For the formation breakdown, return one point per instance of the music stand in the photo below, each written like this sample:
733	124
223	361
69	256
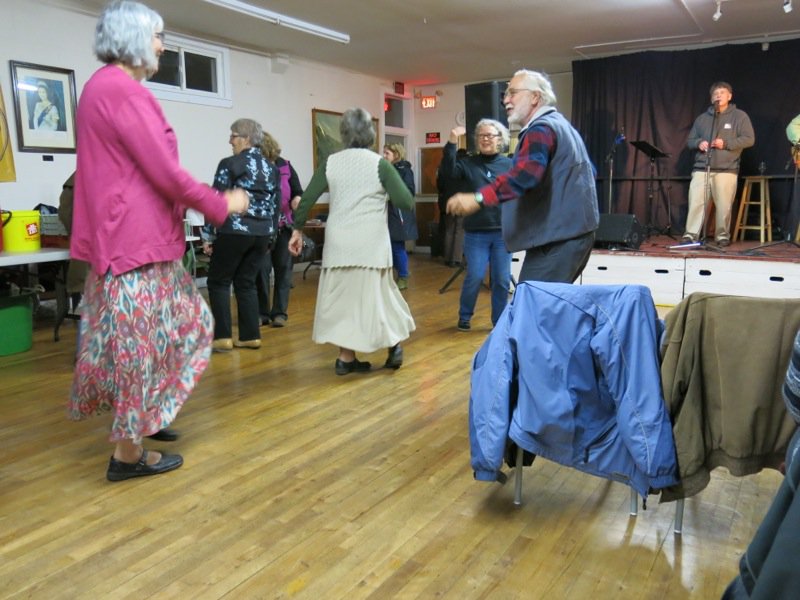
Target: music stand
653	153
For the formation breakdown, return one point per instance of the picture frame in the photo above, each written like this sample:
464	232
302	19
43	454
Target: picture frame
325	135
44	105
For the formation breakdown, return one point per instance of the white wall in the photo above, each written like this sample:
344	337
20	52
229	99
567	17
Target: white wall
451	102
282	103
442	119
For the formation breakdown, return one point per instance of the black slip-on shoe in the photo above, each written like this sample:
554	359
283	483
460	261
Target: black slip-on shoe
165	435
120	471
395	358
354	366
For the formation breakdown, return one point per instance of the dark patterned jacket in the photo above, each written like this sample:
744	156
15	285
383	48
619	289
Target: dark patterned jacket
252	172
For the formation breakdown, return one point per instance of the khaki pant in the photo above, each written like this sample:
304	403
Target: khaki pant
723	193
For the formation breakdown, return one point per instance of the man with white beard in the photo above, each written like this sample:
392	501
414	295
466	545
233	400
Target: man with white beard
548	198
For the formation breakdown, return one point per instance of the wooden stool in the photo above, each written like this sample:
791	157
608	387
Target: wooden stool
765	213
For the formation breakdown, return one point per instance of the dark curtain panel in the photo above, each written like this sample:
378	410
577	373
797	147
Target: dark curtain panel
656	96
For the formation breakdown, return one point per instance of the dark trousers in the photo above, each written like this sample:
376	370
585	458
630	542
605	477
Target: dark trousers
559	262
280	260
236	259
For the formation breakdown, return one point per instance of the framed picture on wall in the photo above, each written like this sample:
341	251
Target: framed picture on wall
325	134
44	105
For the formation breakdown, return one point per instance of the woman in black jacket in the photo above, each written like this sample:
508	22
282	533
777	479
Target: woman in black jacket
402	223
483	238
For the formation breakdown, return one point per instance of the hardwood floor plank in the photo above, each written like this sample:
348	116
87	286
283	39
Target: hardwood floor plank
301	484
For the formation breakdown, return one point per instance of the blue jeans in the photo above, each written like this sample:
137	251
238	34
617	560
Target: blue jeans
482	248
400	258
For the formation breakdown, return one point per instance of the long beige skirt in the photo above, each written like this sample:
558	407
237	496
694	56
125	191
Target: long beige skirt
360	309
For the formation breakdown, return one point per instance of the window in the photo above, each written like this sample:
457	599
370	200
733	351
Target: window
193	71
394	112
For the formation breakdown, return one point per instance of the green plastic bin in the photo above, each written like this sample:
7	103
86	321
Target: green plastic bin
16	324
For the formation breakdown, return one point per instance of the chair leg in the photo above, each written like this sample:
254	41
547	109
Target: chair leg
518	478
634	503
679	516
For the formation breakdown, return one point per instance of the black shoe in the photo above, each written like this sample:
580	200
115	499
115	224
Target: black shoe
119	471
165	435
354	366
463	325
395	358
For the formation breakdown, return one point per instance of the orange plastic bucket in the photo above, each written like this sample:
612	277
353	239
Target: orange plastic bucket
21	230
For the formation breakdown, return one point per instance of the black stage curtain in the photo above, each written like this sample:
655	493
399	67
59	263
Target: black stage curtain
655	96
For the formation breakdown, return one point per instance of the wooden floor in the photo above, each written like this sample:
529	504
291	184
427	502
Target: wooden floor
301	484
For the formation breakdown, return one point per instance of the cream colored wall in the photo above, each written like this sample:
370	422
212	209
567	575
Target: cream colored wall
442	119
281	101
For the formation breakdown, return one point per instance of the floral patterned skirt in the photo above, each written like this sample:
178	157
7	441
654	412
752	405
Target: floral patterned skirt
145	341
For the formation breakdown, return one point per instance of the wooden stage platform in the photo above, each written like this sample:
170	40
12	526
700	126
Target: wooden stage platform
743	268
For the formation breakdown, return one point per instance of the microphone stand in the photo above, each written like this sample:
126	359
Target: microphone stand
619	138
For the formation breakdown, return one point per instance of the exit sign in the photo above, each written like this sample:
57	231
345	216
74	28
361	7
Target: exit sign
428	101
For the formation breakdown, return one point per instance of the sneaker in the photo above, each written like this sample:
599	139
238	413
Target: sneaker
279	321
723	243
687	238
463	325
402	283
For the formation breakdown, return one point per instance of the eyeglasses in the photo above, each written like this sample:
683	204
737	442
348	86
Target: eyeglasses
160	35
488	136
513	92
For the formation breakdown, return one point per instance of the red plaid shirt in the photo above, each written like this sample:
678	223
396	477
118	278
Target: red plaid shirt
536	148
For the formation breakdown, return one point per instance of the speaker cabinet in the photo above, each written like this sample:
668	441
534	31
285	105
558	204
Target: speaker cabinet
619	230
483	101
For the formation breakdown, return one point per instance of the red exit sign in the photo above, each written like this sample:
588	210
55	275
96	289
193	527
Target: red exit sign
433	137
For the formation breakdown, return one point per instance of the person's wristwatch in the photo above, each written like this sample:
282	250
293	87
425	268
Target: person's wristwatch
479	198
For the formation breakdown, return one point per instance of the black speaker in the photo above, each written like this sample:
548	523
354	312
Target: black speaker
615	230
483	101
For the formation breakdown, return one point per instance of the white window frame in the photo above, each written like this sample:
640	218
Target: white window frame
221	55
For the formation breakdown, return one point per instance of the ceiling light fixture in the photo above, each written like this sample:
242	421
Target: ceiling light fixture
279	19
787	6
717	14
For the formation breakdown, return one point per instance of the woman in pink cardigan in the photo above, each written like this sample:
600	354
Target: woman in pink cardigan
145	331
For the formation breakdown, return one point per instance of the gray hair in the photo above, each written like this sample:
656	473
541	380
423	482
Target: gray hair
250	129
499	127
124	33
538	82
356	129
